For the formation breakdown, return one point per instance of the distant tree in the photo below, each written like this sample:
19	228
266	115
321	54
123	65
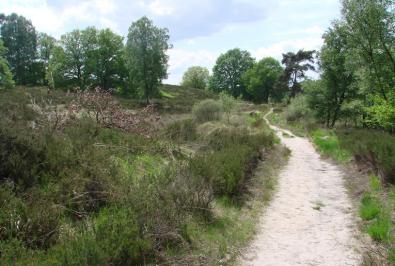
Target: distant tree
228	72
20	39
146	56
5	73
261	79
296	66
45	48
68	64
196	77
107	61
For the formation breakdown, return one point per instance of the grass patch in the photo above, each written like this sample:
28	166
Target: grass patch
328	144
370	207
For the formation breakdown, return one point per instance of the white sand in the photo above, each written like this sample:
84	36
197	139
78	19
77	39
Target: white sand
293	231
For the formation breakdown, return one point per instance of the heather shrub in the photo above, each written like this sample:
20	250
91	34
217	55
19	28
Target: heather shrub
183	130
374	147
207	110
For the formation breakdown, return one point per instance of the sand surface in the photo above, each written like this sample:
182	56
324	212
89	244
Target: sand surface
310	219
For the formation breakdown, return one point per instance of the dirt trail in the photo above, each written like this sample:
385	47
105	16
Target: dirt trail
310	219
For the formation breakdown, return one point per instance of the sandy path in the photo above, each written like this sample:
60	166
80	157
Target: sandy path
309	220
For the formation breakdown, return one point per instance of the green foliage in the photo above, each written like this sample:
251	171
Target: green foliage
337	77
5	73
146	56
20	39
381	115
228	71
207	110
228	103
87	58
196	77
370	24
261	80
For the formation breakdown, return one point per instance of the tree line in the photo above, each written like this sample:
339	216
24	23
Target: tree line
91	58
84	59
237	73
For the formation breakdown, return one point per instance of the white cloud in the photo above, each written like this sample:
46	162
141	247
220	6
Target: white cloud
50	20
181	59
161	8
277	49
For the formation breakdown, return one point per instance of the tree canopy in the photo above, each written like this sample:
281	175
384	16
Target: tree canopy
20	39
260	81
228	72
196	77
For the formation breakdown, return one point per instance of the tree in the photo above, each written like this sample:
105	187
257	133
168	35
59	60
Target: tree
20	39
296	66
260	80
107	63
228	72
196	77
146	56
88	58
5	73
371	27
337	78
69	61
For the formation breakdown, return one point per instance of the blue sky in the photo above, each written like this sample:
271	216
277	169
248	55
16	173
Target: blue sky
200	29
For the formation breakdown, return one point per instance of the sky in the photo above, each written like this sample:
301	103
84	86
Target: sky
200	30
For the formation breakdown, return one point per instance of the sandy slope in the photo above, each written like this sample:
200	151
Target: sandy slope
310	219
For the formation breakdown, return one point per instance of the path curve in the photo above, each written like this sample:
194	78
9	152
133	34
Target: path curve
310	219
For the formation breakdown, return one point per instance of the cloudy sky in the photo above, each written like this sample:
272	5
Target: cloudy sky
200	29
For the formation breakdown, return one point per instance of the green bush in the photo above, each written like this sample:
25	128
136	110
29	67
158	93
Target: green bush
298	109
207	110
229	160
119	236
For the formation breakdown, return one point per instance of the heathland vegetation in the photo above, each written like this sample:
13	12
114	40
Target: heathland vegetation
102	164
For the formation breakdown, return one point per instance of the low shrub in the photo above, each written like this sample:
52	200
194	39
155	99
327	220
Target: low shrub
183	130
230	136
207	110
229	157
374	147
